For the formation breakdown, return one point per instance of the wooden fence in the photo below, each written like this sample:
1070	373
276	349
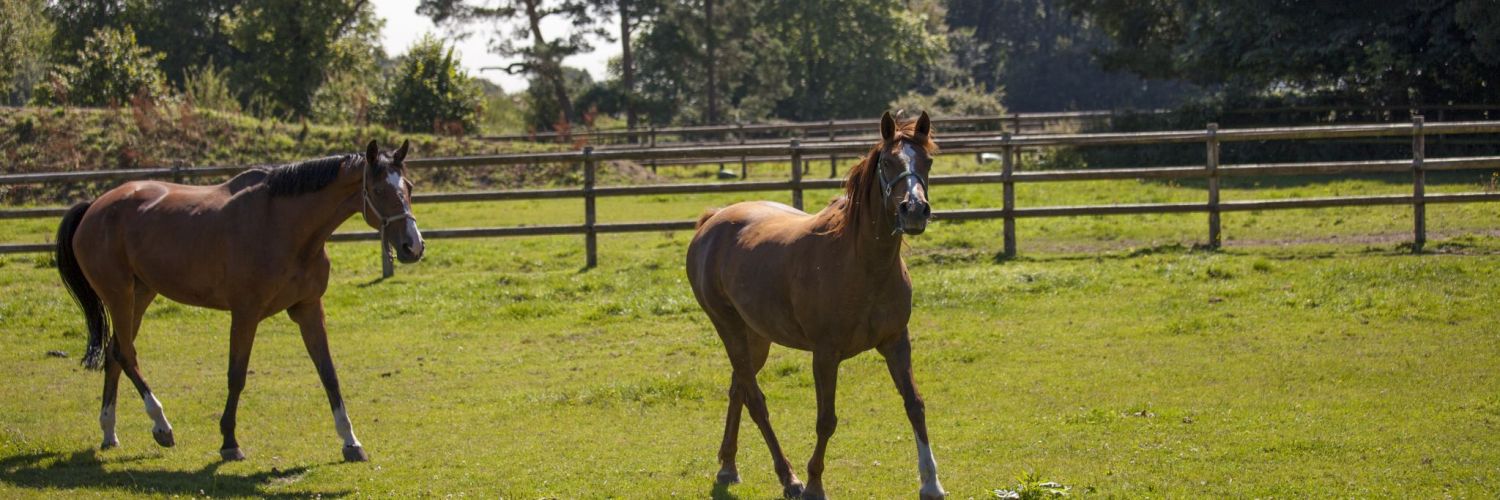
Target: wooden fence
830	129
1005	143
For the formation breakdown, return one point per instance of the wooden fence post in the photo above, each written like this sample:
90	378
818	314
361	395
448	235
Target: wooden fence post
833	158
1215	238
744	165
1418	185
652	130
590	237
1008	196
797	174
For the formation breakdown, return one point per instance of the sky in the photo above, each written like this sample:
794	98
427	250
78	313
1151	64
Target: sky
403	26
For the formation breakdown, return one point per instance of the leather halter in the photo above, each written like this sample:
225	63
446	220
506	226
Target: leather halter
364	193
887	185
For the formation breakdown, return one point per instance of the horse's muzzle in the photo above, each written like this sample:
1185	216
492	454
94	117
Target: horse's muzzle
410	246
913	216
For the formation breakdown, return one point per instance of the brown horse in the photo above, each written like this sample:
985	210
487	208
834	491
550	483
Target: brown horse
832	283
252	246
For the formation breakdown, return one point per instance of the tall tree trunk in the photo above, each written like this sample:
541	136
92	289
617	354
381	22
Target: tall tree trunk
551	68
627	66
713	62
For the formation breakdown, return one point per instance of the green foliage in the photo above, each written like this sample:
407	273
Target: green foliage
1043	56
288	46
543	112
1031	486
207	87
1390	52
540	54
501	113
430	91
110	70
966	100
24	37
784	59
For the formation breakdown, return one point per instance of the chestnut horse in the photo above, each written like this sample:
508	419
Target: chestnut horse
252	246
832	283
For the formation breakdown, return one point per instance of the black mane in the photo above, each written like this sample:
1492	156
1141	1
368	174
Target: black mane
299	178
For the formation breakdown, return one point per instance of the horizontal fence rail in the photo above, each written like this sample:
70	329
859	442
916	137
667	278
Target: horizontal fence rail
1008	145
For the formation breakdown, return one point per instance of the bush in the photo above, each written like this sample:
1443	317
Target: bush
962	100
112	69
429	92
207	87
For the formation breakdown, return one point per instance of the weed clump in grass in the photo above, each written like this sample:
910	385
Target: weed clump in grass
1031	486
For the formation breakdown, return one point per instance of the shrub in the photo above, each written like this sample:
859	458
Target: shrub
429	92
111	70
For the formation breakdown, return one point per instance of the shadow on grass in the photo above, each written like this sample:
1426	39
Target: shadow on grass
84	470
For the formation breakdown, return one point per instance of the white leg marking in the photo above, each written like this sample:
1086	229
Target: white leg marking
107	424
346	429
927	467
153	409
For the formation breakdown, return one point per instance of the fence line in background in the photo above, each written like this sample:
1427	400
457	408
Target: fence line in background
1006	143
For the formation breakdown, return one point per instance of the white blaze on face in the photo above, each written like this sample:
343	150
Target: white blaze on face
154	410
107	424
927	467
346	429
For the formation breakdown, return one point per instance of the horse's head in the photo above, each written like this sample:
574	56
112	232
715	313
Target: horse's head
387	201
903	166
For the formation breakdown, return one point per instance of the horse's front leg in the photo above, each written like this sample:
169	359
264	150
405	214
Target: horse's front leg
898	360
241	338
309	317
825	380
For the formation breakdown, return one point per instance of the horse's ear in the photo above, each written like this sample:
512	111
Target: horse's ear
924	125
372	154
400	155
887	127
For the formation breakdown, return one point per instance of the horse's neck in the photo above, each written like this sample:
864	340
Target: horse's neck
316	215
869	237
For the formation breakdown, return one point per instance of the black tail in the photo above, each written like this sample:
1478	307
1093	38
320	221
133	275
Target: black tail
78	285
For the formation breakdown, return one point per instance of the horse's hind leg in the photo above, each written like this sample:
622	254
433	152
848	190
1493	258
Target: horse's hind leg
128	308
747	354
107	407
728	473
309	317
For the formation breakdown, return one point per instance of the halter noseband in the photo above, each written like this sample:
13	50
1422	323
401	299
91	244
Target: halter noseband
364	193
887	185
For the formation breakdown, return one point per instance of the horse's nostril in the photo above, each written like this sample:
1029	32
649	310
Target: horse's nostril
905	207
926	210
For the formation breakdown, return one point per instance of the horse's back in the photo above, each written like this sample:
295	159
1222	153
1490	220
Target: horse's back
741	265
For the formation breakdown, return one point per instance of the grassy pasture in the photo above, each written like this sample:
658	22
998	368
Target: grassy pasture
1312	358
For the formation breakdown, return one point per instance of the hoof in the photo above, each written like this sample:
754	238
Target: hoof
163	438
109	444
813	496
355	454
793	490
727	477
231	454
939	495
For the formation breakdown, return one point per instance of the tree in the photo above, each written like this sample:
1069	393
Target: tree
110	70
540	56
24	37
1382	52
429	91
1043	56
632	14
286	48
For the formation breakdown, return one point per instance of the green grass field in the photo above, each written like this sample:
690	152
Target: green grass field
1313	357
